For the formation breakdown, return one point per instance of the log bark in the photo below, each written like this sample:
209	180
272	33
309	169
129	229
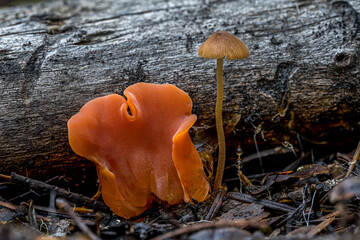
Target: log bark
57	55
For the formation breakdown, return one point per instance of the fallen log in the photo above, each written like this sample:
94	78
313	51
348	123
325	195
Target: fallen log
302	75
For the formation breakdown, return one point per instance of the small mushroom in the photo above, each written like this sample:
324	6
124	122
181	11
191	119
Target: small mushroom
219	45
141	147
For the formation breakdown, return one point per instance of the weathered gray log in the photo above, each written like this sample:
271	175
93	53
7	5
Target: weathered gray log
57	55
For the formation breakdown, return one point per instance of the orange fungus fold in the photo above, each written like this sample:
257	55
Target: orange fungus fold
141	147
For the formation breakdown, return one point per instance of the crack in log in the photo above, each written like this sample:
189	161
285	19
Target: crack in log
31	72
131	14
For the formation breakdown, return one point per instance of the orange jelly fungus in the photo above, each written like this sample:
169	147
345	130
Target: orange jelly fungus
141	147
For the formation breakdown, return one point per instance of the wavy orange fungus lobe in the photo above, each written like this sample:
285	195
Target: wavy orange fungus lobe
141	147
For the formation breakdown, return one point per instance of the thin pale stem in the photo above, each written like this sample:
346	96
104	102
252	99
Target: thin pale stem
219	124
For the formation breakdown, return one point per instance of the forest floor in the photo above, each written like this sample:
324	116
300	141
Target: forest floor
311	197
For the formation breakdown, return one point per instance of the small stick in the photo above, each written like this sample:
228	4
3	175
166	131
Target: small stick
29	192
53	211
14	208
209	225
39	186
266	153
354	160
299	208
5	177
7	205
32	215
62	204
343	157
328	219
57	212
267	203
216	204
258	153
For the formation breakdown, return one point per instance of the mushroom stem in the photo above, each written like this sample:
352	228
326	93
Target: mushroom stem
219	124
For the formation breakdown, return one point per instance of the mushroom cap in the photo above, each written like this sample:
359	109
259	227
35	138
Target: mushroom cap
223	44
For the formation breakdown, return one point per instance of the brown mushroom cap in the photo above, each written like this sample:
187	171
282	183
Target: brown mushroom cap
223	44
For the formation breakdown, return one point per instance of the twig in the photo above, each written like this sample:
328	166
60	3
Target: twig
299	208
29	192
304	202
300	144
258	153
16	208
343	157
266	153
43	187
32	215
354	160
321	226
311	206
209	225
263	154
5	177
7	205
258	175
64	205
54	211
267	203
216	204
